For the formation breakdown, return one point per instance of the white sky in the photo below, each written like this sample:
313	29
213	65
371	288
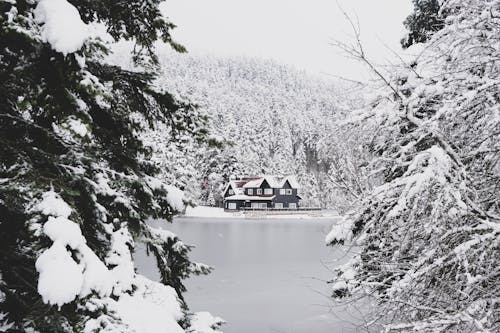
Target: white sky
295	32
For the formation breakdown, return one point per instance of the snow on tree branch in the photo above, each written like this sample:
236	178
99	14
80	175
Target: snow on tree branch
429	235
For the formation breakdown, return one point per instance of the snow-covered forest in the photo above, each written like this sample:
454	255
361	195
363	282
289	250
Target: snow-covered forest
268	118
107	124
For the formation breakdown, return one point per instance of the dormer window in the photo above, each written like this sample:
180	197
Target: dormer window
250	191
268	191
282	191
259	191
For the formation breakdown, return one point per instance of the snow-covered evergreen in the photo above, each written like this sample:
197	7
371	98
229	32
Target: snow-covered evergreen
76	181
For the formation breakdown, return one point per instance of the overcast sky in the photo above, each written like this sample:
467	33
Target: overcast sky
296	32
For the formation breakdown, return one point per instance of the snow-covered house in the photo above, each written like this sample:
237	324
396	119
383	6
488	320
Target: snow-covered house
263	192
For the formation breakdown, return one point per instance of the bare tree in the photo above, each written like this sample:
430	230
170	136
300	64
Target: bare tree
429	235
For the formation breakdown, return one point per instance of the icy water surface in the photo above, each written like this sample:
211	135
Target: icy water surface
269	275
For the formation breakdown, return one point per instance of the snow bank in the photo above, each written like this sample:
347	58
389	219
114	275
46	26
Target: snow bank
306	216
204	211
62	27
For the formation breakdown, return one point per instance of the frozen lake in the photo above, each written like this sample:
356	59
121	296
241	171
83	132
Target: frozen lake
269	275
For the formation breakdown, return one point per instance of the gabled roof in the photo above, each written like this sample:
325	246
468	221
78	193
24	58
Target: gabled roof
292	181
236	186
273	181
255	183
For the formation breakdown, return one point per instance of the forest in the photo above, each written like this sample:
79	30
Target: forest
268	119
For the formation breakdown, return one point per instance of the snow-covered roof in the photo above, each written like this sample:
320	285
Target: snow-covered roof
248	197
273	181
254	183
236	186
293	181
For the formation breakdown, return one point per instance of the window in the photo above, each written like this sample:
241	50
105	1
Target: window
232	205
259	191
268	191
292	205
288	191
278	205
260	205
231	192
250	191
282	191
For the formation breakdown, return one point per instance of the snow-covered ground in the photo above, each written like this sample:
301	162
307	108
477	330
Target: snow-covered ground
204	211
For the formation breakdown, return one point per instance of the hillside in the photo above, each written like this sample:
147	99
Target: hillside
273	118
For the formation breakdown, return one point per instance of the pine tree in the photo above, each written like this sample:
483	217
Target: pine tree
76	183
211	199
425	20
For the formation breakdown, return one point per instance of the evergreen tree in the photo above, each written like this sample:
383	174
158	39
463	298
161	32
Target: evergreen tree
425	20
76	183
211	199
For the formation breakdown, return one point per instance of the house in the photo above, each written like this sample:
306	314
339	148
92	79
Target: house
265	192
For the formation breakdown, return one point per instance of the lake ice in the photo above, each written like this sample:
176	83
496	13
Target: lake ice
269	276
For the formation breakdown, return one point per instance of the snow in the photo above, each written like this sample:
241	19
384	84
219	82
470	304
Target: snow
204	211
340	232
163	234
62	27
273	181
61	277
123	273
52	204
314	215
69	269
96	276
61	228
175	198
255	183
248	197
204	322
78	127
5	326
153	308
235	187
